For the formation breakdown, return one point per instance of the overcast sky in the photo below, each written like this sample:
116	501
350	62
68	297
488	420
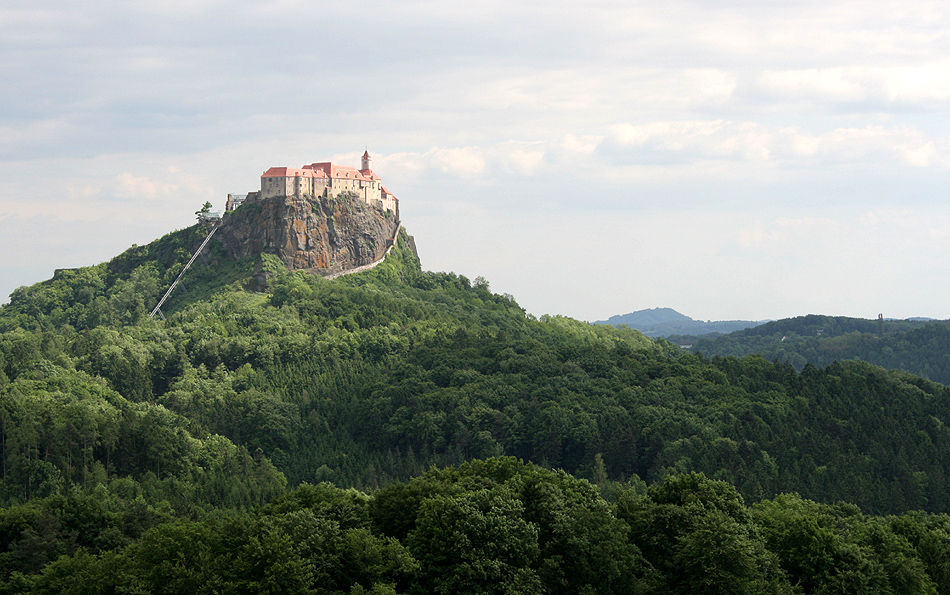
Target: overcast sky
750	159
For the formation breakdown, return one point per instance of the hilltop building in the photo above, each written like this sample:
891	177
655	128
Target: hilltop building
328	180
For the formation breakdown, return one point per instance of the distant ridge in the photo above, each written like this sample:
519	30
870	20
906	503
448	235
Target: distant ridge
663	322
918	345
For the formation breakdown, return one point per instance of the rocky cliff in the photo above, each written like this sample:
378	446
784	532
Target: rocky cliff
321	235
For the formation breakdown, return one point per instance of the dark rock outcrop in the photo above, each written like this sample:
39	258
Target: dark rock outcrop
317	234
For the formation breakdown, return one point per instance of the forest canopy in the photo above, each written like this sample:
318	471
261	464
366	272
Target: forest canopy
125	437
921	347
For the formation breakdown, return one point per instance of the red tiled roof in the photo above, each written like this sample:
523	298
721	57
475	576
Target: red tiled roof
324	170
292	172
345	171
317	173
339	171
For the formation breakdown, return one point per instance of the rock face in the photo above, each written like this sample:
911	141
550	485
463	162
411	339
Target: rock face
317	234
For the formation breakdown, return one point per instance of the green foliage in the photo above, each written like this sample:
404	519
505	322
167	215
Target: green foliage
373	377
836	549
123	291
492	526
63	428
698	533
177	441
296	546
919	347
502	526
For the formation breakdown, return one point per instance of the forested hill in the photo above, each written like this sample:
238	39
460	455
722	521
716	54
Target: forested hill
663	322
921	347
125	437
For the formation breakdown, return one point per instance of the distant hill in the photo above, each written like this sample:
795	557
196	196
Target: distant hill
663	322
917	345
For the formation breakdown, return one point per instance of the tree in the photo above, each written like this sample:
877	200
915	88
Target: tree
476	542
204	210
698	533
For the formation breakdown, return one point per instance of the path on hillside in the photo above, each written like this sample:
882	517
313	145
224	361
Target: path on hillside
373	264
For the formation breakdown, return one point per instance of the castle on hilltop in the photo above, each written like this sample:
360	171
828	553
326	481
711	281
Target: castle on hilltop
329	180
311	231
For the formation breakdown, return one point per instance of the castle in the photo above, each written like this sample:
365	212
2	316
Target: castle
329	180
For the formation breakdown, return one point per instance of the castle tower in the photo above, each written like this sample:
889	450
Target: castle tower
365	163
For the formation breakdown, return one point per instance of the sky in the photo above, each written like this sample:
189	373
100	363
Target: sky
731	159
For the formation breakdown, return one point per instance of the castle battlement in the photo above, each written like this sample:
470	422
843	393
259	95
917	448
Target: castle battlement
329	180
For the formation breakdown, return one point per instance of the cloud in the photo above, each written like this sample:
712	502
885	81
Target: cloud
836	85
716	138
792	148
463	161
673	139
128	186
33	133
467	162
924	87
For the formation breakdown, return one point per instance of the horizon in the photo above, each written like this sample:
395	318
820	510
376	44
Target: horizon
33	271
762	320
737	161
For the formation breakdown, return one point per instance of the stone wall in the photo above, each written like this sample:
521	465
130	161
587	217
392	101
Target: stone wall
300	186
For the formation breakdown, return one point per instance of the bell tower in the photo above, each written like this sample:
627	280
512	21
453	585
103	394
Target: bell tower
365	163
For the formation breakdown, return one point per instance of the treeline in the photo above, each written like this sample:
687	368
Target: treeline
188	455
919	347
123	291
485	527
372	378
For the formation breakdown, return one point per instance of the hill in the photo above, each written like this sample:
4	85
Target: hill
374	377
663	322
126	438
262	237
919	346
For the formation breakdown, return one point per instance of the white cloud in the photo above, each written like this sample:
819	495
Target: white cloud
571	145
463	161
128	186
716	138
915	84
32	133
836	85
924	85
676	141
751	143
